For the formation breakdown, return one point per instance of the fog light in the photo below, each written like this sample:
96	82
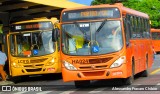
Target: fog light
78	74
107	74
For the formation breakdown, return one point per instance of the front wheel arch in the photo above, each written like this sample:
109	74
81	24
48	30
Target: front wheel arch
130	79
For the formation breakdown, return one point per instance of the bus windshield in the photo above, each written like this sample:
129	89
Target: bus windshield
92	38
30	44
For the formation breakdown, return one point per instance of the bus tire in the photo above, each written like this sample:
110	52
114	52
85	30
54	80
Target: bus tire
81	84
16	79
129	80
145	73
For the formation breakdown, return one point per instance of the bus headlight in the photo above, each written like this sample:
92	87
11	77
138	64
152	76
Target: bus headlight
118	62
69	66
16	65
51	62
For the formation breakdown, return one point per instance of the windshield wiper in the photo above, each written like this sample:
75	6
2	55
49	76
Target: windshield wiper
102	24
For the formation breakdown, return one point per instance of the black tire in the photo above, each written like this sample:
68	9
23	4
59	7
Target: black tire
129	80
145	73
16	79
6	67
81	84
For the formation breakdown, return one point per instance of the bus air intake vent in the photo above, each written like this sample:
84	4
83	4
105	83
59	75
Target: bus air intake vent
41	65
34	70
38	60
100	60
98	73
93	67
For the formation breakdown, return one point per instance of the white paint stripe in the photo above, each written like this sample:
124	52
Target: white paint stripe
44	92
158	84
97	90
137	84
20	92
68	92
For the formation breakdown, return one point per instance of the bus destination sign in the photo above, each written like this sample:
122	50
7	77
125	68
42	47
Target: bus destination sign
32	26
95	13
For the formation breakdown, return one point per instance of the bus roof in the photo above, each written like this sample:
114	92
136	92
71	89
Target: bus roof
122	8
38	20
155	30
126	10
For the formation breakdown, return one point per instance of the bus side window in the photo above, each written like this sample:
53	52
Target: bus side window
126	30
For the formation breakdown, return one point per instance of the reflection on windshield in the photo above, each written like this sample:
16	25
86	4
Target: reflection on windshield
83	38
32	44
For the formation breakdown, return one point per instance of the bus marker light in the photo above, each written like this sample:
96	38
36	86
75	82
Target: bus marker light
117	73
51	69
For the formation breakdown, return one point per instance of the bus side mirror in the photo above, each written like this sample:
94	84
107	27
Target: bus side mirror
5	29
2	39
127	44
55	34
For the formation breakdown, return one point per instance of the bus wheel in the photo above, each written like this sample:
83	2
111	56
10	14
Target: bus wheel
145	73
81	84
129	80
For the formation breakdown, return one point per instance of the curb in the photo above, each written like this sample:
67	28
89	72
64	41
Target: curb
6	82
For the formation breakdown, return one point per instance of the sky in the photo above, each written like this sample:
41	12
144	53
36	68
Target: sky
85	2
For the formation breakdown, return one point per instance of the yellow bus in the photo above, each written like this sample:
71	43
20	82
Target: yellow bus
31	48
104	42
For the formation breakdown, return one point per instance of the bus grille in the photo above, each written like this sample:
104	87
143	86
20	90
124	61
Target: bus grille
100	60
34	65
38	60
33	70
91	67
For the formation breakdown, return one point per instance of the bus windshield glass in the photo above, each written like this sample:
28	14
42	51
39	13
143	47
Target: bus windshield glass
31	44
156	35
91	38
90	14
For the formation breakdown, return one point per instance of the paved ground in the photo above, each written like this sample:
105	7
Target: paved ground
50	85
6	82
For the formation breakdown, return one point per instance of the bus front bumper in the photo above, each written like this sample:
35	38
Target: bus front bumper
55	68
119	72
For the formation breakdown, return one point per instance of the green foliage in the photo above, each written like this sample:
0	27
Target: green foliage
98	2
1	28
151	7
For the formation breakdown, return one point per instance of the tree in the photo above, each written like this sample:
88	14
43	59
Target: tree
151	7
1	29
98	2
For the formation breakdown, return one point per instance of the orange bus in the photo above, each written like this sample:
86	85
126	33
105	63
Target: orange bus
104	42
156	39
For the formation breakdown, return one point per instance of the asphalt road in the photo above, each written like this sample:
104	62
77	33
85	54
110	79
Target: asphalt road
53	84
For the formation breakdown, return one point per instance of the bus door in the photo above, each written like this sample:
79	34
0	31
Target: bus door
128	43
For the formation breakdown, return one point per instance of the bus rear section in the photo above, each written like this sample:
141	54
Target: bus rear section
31	49
97	44
156	40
